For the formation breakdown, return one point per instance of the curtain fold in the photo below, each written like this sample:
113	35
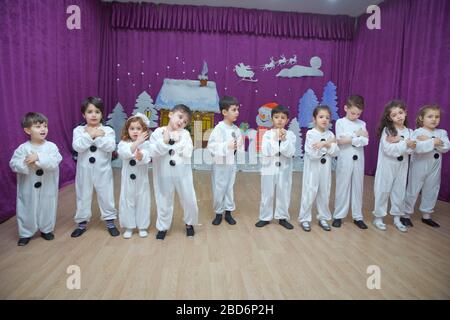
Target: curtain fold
160	17
47	68
426	67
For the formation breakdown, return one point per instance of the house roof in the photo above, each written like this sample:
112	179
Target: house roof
189	93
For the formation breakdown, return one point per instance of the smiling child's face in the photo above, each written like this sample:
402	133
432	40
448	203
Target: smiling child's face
38	132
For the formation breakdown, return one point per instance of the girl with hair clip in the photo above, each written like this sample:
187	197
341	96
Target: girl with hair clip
395	146
135	152
320	148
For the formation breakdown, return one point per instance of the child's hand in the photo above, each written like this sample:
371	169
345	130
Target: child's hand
95	132
276	136
138	154
98	133
423	138
411	143
232	144
362	133
345	140
166	135
90	131
142	137
329	142
176	136
319	145
393	139
283	134
438	142
31	158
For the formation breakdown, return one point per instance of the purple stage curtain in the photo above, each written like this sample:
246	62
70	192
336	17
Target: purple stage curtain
426	67
45	68
408	59
151	16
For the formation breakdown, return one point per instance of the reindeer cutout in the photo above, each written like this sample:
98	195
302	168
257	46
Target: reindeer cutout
293	60
282	61
269	66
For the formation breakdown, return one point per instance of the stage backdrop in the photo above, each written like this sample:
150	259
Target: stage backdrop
124	49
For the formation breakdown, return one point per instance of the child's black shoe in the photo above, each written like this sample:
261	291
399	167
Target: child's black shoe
431	223
261	223
229	218
23	242
406	222
161	235
337	223
217	220
77	232
114	231
190	231
286	224
360	224
47	236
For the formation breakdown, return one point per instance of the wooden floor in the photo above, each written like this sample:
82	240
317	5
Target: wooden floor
230	262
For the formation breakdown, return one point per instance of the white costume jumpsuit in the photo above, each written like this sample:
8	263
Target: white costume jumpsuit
276	175
316	183
94	171
135	195
391	174
172	171
350	169
224	165
37	189
425	170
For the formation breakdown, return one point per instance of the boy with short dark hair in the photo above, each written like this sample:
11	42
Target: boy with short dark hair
94	143
224	141
36	164
278	147
172	171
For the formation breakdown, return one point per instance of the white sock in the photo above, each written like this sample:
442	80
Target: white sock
426	216
397	219
378	220
407	216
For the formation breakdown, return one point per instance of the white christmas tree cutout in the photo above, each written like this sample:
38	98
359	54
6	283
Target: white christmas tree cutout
116	119
144	104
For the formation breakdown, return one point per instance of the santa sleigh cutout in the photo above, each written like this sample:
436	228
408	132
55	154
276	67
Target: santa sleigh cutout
244	72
